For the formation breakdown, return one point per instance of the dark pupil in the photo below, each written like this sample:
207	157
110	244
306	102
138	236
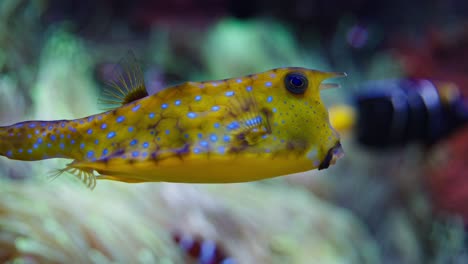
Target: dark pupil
296	81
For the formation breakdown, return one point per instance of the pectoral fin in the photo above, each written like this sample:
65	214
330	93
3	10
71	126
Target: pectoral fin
87	176
248	124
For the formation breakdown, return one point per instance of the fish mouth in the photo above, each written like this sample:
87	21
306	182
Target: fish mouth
332	156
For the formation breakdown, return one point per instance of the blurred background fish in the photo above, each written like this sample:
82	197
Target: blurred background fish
387	201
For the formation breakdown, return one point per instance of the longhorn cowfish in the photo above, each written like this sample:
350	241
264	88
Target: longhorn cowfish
233	130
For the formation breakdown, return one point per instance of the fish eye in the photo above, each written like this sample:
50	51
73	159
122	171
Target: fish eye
296	82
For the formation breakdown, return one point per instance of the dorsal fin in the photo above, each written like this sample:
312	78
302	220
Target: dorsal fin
126	83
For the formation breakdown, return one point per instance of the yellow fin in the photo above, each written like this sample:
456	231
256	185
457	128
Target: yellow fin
249	124
125	85
86	176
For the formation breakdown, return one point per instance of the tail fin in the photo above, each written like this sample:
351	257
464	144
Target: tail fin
36	140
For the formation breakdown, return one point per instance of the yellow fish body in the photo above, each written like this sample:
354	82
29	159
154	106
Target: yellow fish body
234	130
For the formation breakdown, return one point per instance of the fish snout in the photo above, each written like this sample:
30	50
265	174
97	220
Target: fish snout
333	154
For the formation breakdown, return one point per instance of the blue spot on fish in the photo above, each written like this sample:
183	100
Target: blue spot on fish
105	151
120	119
111	134
133	142
130	129
103	126
229	93
216	125
197	98
136	108
72	141
191	115
62	146
226	138
233	125
145	145
39	140
90	131
9	153
269	99
239	80
96	141
248	88
35	146
90	154
151	115
177	102
168	131
164	106
221	149
135	154
32	125
53	137
213	137
29	151
215	108
268	84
